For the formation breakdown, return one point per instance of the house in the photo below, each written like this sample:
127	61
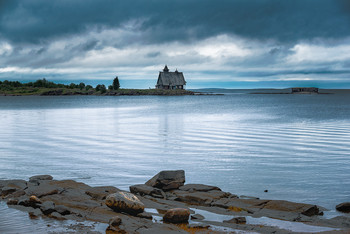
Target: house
306	90
170	80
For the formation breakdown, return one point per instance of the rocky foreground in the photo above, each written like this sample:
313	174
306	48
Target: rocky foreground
164	204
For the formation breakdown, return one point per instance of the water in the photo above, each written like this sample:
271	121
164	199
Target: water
295	146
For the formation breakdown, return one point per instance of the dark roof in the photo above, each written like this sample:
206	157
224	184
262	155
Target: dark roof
171	78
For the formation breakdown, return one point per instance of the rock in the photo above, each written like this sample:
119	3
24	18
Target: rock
176	215
143	189
343	207
266	191
7	190
37	178
311	211
125	202
12	201
198	226
199	198
114	225
56	215
101	192
237	220
34	199
44	189
62	210
47	207
197	217
16	194
198	188
144	215
168	180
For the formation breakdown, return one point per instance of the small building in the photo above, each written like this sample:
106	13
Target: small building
170	80
306	90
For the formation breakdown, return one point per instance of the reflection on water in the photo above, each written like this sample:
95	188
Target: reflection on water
296	146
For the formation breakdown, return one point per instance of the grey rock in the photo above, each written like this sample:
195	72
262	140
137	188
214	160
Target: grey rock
237	220
56	215
198	188
7	190
42	190
47	207
343	207
38	178
143	190
101	192
12	201
62	210
168	180
125	202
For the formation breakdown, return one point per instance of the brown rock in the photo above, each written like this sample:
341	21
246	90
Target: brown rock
197	217
125	202
144	215
34	199
167	180
12	201
101	192
176	215
343	207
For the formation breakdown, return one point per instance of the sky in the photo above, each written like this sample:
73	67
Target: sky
217	44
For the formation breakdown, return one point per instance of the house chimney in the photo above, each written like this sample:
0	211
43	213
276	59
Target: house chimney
166	69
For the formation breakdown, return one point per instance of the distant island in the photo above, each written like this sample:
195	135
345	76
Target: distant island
43	87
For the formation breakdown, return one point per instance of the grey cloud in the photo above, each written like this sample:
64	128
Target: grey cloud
35	21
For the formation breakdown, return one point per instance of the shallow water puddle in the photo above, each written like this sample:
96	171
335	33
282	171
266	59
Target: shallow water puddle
265	221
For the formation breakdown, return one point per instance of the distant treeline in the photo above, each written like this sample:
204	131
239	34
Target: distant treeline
43	83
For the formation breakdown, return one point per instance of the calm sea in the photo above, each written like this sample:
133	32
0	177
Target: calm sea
295	146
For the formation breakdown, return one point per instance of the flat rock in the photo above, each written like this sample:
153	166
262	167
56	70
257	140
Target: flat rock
343	207
42	190
197	217
198	188
144	215
125	202
37	178
47	207
305	209
101	192
237	220
167	180
199	198
198	226
176	215
143	190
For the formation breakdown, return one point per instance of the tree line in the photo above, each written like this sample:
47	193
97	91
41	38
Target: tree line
43	83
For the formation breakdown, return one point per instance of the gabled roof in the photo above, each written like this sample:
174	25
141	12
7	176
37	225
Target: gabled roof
171	78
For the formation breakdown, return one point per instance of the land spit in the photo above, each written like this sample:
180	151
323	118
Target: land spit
165	204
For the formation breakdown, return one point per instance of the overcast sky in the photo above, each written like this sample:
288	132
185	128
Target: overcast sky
221	43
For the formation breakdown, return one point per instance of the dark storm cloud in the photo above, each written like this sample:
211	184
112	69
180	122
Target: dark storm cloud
34	21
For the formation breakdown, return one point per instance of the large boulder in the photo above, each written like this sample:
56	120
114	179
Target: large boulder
143	189
167	180
176	215
125	202
343	207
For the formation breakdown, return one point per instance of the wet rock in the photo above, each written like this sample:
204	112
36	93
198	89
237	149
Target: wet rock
143	190
124	202
37	178
62	210
167	180
34	199
314	210
7	190
176	215
44	189
12	201
198	188
197	217
343	207
56	215
114	224
47	207
101	192
144	215
237	220
16	194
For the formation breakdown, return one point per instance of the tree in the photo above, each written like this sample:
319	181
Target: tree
110	87
81	86
88	87
116	84
101	88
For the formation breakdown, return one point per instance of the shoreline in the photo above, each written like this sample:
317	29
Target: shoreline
209	207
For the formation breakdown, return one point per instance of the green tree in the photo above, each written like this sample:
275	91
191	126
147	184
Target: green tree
88	87
116	84
81	86
110	87
101	88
